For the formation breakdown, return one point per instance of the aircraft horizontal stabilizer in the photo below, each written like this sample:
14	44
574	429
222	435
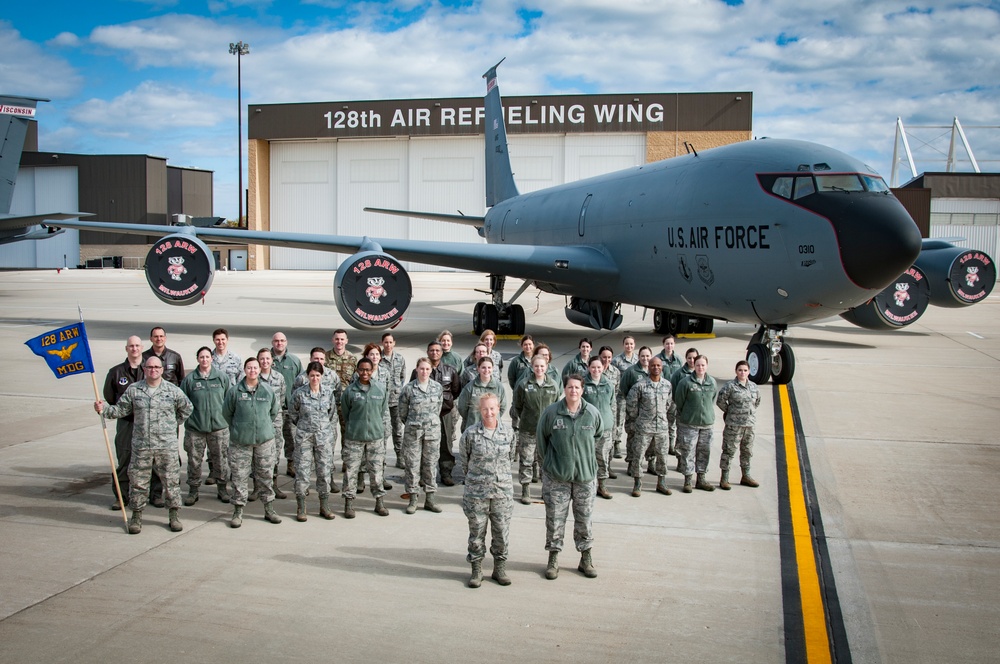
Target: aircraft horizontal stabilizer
437	216
15	222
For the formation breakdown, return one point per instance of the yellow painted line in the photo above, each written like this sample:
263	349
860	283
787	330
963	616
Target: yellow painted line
817	639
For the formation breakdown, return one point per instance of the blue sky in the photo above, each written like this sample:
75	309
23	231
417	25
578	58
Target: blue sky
155	76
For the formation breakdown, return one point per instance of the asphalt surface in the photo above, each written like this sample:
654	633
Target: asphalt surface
901	437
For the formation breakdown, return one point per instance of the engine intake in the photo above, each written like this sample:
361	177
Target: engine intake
958	276
900	304
372	290
180	269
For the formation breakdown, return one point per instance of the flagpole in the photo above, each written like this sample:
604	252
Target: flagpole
107	443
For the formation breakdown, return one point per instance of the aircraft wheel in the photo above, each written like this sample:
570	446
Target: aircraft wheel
477	318
759	359
490	318
678	323
660	321
706	325
517	319
783	365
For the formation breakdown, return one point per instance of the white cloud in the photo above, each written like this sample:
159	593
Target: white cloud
22	63
151	107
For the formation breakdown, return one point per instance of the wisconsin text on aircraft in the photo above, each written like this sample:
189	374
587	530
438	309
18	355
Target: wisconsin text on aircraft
767	232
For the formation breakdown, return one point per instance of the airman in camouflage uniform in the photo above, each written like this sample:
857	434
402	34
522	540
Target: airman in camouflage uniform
365	408
228	363
695	398
277	383
314	414
532	395
485	381
613	376
635	373
600	393
486	450
289	366
420	403
343	362
578	365
649	402
158	409
671	363
396	364
622	361
567	432
739	400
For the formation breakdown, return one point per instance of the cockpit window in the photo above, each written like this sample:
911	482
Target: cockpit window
875	183
783	187
841	182
803	187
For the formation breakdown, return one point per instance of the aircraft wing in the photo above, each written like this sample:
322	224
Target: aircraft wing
566	265
16	222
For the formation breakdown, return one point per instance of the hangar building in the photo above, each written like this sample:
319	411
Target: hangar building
313	167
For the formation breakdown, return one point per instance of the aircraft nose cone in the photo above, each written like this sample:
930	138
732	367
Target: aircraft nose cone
878	239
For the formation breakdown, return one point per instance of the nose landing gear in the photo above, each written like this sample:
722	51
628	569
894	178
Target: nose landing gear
770	356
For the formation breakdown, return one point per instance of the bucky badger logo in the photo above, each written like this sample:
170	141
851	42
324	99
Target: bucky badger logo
376	289
972	276
176	268
901	295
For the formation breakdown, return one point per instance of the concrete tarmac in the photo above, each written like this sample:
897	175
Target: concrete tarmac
900	428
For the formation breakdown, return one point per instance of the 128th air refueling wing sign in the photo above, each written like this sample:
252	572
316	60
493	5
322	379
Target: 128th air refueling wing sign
179	269
66	350
373	290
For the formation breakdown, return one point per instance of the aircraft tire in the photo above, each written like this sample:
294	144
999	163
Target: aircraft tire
660	321
477	318
517	319
490	318
783	365
759	359
707	325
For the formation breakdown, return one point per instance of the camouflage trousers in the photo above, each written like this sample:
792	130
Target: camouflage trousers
731	437
639	446
279	440
217	444
558	496
313	451
287	436
694	446
255	460
397	430
619	434
602	448
672	426
527	443
144	463
496	512
372	454
420	451
449	434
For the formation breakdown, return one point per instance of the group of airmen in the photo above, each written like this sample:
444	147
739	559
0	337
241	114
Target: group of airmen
565	429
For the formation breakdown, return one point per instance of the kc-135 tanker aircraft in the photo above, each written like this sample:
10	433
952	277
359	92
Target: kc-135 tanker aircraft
769	232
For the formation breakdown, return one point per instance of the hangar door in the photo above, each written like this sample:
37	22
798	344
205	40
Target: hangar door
323	186
39	190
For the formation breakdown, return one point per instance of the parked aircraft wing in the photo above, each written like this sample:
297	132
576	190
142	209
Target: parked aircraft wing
576	265
467	220
15	222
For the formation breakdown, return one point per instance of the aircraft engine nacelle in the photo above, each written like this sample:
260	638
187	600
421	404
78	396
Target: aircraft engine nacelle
372	290
180	269
900	304
958	276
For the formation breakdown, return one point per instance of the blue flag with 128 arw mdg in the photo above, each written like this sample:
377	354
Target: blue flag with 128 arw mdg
66	350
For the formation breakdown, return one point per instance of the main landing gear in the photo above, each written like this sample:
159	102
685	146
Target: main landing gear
770	357
499	316
666	321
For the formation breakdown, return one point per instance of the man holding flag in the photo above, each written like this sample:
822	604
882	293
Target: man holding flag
159	408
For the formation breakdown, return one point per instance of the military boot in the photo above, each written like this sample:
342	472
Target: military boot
334	487
612	475
411	507
536	473
724	481
209	481
687	484
602	490
476	579
386	485
637	487
746	480
290	468
361	483
300	508
552	569
525	494
278	493
380	507
661	486
587	565
617	453
222	492
192	496
173	520
324	508
430	505
349	508
700	483
135	523
237	519
500	572
253	492
269	513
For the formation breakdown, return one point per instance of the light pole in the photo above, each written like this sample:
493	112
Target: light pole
239	49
